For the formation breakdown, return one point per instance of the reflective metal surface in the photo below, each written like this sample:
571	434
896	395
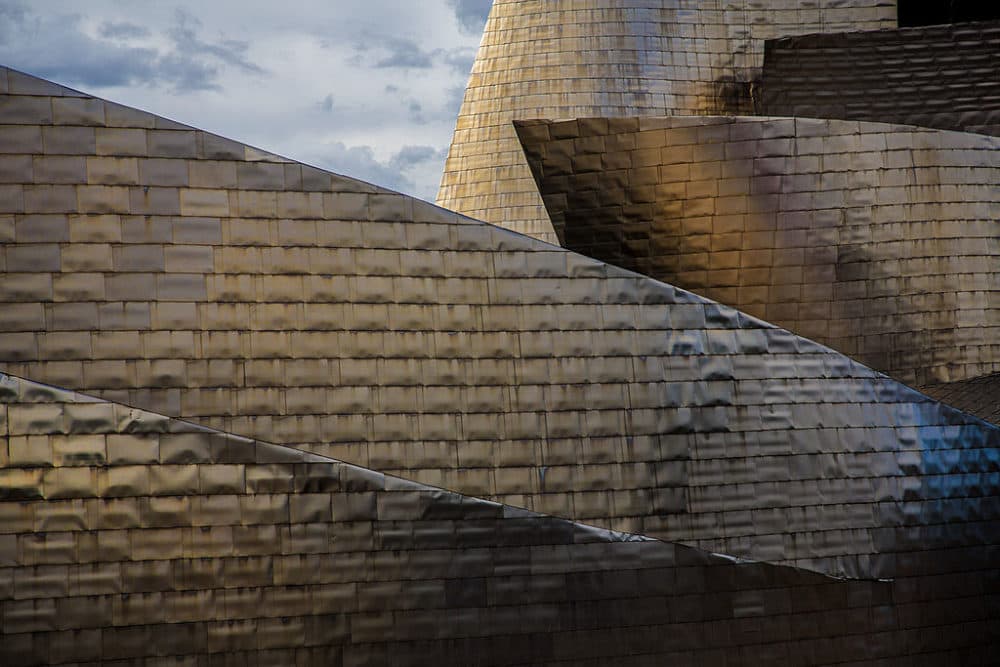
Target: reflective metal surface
296	307
132	539
170	270
879	240
581	58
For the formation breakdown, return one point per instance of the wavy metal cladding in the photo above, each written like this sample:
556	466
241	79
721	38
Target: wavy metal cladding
176	271
945	76
129	538
878	240
581	58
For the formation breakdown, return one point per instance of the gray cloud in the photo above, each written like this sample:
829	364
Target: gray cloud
384	124
454	98
411	156
417	112
122	30
406	53
394	173
229	51
12	13
471	14
57	46
459	60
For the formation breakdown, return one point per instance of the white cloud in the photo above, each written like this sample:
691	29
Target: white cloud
353	85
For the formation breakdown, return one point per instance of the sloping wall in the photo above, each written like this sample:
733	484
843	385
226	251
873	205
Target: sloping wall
171	270
130	538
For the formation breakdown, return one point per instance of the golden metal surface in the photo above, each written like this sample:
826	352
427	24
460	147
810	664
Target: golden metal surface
878	240
391	334
227	304
582	58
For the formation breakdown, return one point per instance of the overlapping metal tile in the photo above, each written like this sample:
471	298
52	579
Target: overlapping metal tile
979	396
176	271
129	538
879	240
943	76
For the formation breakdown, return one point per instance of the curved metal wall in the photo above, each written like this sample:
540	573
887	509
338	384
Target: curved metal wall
169	269
610	58
878	240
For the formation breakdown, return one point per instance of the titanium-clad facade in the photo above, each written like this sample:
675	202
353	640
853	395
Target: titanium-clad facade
129	538
943	76
879	240
583	58
976	396
306	420
300	308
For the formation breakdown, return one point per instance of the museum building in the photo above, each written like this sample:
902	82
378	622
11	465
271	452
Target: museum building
694	362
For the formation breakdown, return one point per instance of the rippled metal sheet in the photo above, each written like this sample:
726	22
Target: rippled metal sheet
952	84
610	58
879	240
292	306
145	540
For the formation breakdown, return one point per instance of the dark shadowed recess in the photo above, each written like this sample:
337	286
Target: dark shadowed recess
933	12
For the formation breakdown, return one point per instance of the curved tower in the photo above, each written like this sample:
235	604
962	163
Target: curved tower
612	58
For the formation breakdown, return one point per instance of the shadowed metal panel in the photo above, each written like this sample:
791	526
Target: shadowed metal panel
878	240
946	76
931	12
131	538
611	58
978	396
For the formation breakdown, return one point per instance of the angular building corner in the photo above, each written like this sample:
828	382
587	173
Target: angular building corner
257	413
879	240
616	59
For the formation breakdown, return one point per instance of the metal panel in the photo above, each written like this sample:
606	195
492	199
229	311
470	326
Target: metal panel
528	375
400	572
892	262
873	76
601	58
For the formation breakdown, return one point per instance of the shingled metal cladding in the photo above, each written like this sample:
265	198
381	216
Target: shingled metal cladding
132	539
175	271
582	58
878	240
945	76
169	271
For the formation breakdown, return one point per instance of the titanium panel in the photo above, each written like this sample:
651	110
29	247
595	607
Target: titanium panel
336	564
978	396
611	58
878	240
365	326
943	76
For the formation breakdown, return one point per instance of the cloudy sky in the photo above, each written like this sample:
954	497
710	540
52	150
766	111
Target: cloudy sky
366	88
